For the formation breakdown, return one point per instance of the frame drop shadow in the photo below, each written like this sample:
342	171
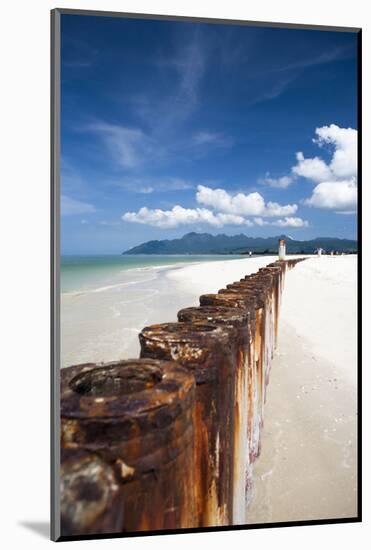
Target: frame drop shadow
41	528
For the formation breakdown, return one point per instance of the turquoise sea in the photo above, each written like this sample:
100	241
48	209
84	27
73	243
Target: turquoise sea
81	273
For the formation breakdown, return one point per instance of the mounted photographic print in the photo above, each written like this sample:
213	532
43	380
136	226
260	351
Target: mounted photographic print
205	242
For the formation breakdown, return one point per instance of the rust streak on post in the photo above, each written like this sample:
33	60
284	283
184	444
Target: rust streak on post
260	296
137	416
242	324
252	304
275	272
208	352
261	288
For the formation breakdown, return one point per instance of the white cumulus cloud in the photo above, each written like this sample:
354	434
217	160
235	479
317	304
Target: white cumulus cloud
344	161
260	221
312	168
224	209
340	195
182	216
285	222
291	222
336	180
240	204
275	209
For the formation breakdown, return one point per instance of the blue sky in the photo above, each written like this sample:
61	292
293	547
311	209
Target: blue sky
170	127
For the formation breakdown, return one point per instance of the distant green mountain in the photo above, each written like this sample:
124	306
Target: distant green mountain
204	243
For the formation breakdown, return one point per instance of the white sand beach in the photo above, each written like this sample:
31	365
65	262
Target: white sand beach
307	468
103	323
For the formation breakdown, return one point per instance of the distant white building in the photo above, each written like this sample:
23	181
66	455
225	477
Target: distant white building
281	249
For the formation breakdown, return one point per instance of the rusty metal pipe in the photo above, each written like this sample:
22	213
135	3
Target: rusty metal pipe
242	324
276	274
263	288
228	299
91	499
262	293
264	340
137	416
251	304
208	352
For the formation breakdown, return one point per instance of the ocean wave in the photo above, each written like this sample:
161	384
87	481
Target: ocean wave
105	288
153	269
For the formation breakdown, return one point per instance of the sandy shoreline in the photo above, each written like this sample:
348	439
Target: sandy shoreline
103	325
307	468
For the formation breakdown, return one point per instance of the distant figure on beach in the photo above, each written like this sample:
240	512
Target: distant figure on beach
319	251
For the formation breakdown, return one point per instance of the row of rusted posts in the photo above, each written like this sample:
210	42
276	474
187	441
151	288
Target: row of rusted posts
167	441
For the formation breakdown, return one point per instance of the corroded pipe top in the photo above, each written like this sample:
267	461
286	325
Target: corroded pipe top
216	315
263	286
253	295
199	347
269	273
260	289
128	388
261	277
278	264
293	261
230	299
271	268
273	272
128	412
282	265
